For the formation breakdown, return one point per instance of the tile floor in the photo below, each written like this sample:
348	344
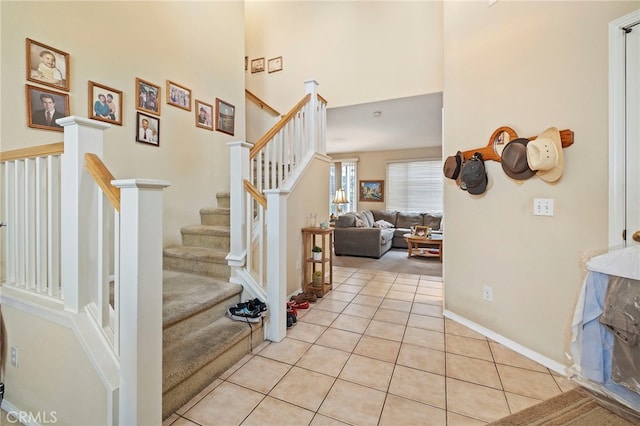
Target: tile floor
374	351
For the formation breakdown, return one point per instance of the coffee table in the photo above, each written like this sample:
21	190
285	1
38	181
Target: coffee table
414	242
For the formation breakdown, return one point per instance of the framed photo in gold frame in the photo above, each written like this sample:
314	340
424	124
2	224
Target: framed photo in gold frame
47	65
147	96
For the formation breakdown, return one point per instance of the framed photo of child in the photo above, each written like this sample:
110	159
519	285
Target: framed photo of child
47	65
105	103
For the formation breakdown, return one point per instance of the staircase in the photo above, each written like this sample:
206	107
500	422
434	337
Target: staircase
199	341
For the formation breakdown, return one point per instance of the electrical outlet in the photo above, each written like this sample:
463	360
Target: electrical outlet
487	293
14	356
543	206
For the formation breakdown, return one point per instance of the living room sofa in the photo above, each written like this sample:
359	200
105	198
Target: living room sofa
372	233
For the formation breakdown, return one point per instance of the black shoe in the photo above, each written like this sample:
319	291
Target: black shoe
244	314
253	305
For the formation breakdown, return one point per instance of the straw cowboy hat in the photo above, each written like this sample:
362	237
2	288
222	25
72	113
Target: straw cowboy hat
514	160
544	155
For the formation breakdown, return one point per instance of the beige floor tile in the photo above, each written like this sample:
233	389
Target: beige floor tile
426	322
564	383
455	419
394	317
374	291
424	282
504	355
428	299
408	279
476	401
418	385
339	339
235	366
396	305
339	295
288	350
404	287
424	338
304	388
338	279
351	323
385	330
421	358
359	282
357	310
318	317
520	402
329	305
429	291
353	403
166	422
278	413
402	411
320	420
228	404
380	283
260	347
457	329
428	310
306	332
259	374
400	295
349	288
468	346
473	370
528	383
367	372
367	300
383	277
364	275
324	360
375	347
182	422
186	407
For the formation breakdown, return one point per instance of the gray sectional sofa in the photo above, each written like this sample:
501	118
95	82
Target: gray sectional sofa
371	233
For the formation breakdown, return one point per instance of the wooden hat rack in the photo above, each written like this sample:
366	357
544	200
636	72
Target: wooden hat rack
491	152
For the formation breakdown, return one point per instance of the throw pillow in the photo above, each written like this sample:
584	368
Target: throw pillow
360	223
382	224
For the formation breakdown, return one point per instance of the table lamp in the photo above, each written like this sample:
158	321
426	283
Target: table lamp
339	199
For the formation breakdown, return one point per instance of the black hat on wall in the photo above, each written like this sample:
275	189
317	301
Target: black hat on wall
474	175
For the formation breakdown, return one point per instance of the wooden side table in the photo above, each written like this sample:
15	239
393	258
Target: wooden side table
323	238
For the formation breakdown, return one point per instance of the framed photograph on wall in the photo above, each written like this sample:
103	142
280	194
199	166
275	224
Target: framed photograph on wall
178	96
47	65
148	129
257	65
204	115
147	96
371	190
225	117
275	64
105	103
44	107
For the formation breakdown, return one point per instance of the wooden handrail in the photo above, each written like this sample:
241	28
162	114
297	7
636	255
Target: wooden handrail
262	104
321	99
103	178
33	151
253	191
279	126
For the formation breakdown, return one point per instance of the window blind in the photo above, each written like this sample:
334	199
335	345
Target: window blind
414	186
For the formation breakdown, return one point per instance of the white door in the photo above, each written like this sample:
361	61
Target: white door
632	133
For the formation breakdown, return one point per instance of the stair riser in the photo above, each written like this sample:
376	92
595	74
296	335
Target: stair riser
216	270
224	200
178	330
182	393
215	219
208	241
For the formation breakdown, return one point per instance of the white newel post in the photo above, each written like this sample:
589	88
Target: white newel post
276	264
140	397
79	193
239	155
311	86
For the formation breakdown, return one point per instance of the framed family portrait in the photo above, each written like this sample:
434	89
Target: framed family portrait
204	115
44	107
275	64
178	96
105	103
148	129
225	117
371	190
257	65
47	65
147	96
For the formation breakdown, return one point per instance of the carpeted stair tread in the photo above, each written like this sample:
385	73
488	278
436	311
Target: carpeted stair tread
215	210
197	253
186	294
185	357
216	230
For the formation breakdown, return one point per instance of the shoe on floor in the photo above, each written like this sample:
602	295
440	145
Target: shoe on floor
307	296
298	305
244	314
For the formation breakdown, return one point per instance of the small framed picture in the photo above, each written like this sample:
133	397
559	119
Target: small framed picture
148	129
421	231
275	64
178	96
47	65
44	107
147	96
105	103
257	65
204	115
225	117
371	190
246	63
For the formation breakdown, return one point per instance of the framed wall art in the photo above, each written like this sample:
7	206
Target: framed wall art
178	96
257	65
147	96
148	129
47	65
275	64
105	103
204	115
371	190
225	117
44	107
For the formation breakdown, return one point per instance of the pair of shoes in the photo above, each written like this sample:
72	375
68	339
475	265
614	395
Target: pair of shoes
253	305
307	296
250	310
292	316
298	305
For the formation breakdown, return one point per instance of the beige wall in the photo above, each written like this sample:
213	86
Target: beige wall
373	166
528	65
199	45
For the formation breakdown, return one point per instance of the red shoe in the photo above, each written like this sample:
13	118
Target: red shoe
298	305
